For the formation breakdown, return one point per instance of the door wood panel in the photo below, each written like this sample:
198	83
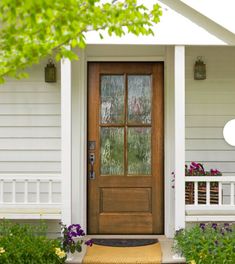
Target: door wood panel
125	120
125	200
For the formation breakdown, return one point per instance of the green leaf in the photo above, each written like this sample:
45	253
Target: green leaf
101	36
78	247
31	30
1	80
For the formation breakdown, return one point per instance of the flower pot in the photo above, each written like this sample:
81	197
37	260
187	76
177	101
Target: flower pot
189	193
72	257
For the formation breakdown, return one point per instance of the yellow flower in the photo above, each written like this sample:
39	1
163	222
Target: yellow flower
202	255
193	262
2	250
60	253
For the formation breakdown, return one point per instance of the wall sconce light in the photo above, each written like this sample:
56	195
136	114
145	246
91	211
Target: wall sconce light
50	72
199	69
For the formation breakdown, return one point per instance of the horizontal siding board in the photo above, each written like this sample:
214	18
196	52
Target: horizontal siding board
25	155
210	85
210	109
29	109
30	86
29	167
207	121
216	74
195	97
32	132
29	120
204	133
211	155
26	98
207	144
30	144
228	173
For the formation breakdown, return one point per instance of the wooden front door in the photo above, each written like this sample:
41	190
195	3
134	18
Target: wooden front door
125	148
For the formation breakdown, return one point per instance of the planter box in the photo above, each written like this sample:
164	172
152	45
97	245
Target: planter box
214	193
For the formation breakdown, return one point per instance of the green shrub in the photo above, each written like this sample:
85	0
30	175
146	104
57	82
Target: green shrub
207	244
25	244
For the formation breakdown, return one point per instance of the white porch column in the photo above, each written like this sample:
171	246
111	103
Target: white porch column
66	135
179	137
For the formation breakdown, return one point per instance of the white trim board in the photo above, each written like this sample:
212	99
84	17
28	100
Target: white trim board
126	59
179	100
66	140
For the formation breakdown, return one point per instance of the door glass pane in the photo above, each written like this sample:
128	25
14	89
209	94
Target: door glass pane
112	99
139	150
112	151
139	99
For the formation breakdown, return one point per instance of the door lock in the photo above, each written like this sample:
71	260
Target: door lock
91	158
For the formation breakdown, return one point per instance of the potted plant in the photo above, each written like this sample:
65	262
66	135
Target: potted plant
73	237
197	169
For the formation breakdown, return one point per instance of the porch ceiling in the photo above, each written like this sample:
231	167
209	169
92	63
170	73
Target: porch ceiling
180	24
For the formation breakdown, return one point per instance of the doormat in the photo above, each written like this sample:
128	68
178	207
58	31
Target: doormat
97	254
124	242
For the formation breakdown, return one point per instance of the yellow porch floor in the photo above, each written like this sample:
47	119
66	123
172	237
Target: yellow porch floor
150	254
168	256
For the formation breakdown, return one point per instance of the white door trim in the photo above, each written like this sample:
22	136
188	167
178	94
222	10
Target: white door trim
79	138
179	137
126	58
66	141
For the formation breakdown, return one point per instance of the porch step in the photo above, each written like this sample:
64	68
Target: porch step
168	256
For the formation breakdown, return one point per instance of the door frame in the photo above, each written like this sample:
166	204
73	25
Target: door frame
154	184
79	132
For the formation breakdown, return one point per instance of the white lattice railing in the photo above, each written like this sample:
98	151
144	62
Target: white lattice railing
31	197
221	209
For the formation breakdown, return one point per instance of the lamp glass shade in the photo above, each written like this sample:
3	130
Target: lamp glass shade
199	70
50	72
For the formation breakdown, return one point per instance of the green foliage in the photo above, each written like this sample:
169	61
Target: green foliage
24	244
31	30
207	244
73	238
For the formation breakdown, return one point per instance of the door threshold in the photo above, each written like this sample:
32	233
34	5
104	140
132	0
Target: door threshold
159	237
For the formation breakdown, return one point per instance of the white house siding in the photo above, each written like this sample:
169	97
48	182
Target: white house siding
210	104
30	133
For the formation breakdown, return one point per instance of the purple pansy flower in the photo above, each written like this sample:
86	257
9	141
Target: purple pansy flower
203	226
214	226
72	234
89	242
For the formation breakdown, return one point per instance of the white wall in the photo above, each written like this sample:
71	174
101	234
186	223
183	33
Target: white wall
210	104
30	129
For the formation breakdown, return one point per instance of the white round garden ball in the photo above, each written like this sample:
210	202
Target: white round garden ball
229	132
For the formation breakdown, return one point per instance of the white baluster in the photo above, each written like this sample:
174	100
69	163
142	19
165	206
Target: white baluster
220	193
26	185
232	193
1	191
196	193
14	191
50	192
208	193
38	192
